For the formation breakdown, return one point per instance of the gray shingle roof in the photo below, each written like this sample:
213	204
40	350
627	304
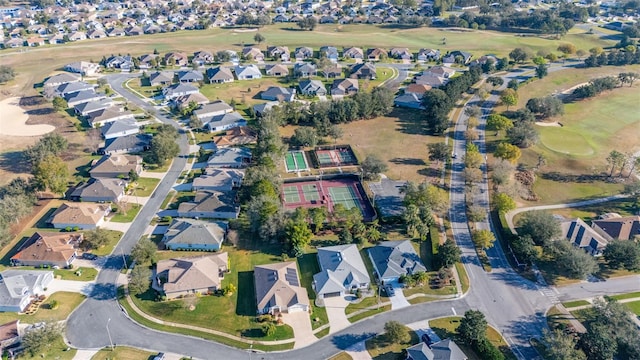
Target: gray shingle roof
16	284
395	258
118	126
124	143
190	231
341	266
279	285
442	350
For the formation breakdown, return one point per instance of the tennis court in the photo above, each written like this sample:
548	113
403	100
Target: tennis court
295	161
334	157
346	196
291	195
310	192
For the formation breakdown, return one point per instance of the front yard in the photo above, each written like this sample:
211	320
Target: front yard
66	303
127	213
122	353
145	186
446	328
380	348
77	274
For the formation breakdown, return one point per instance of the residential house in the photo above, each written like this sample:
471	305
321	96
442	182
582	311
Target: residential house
124	63
451	57
428	55
330	52
209	204
60	79
10	334
77	36
81	97
441	71
312	88
13	43
189	76
278	289
116	166
247	72
185	101
333	71
408	100
18	288
281	53
342	271
117	128
303	53
442	350
583	236
219	75
215	108
392	259
99	190
376	54
344	87
84	216
202	58
109	114
278	93
262	108
353	53
218	180
304	70
148	61
430	80
198	235
173	91
35	41
252	53
623	228
276	70
161	78
224	122
180	277
117	31
90	107
83	67
363	71
48	249
418	89
96	34
176	59
134	143
67	88
237	136
327	19
237	158
401	54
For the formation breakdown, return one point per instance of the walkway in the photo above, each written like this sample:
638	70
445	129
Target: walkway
509	216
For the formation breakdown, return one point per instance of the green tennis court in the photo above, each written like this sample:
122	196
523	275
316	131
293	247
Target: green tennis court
290	162
324	158
291	195
295	161
346	196
346	157
310	192
301	161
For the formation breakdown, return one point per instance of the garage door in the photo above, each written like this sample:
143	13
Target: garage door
295	308
332	294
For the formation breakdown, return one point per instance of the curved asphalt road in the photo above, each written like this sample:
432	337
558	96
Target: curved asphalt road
515	306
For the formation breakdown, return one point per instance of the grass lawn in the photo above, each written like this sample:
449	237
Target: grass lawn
145	186
322	333
114	237
121	217
556	318
365	303
391	138
233	314
57	350
369	313
78	274
447	328
624	207
156	168
123	353
576	303
634	306
341	356
145	90
67	301
626	296
464	278
308	266
245	92
380	348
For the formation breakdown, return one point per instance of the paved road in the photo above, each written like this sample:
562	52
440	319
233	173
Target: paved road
584	290
512	304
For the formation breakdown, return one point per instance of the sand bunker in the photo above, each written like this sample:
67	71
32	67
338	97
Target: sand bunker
13	120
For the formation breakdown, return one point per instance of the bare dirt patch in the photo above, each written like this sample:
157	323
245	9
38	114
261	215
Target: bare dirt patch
14	120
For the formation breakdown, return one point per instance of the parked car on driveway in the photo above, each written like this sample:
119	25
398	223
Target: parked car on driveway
89	256
389	290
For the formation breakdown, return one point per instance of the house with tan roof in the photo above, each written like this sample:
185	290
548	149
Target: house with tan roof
85	216
623	228
278	289
218	180
581	235
9	334
180	277
48	248
241	135
114	166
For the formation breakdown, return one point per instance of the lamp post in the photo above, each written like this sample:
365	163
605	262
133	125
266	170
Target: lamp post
109	333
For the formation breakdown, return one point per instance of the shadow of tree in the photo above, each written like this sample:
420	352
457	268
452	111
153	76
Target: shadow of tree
103	291
345	341
13	161
245	304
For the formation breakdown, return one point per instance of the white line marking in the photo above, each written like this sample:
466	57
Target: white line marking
454	311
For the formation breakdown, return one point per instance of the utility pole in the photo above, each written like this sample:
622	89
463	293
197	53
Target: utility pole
109	333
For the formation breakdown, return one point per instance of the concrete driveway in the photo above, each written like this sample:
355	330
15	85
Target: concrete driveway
302	331
335	307
421	328
82	287
398	301
358	351
122	227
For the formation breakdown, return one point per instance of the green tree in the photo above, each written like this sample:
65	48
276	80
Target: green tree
133	175
258	38
195	122
574	262
95	239
59	103
163	148
525	249
615	159
539	60
506	151
520	55
269	329
567	49
39	340
498	123
396	333
541	71
6	73
599	343
335	132
473	327
472	160
509	97
542	226
448	253
140	280
144	252
559	346
318	217
439	151
298	233
305	136
483	238
372	167
503	202
51	173
623	254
